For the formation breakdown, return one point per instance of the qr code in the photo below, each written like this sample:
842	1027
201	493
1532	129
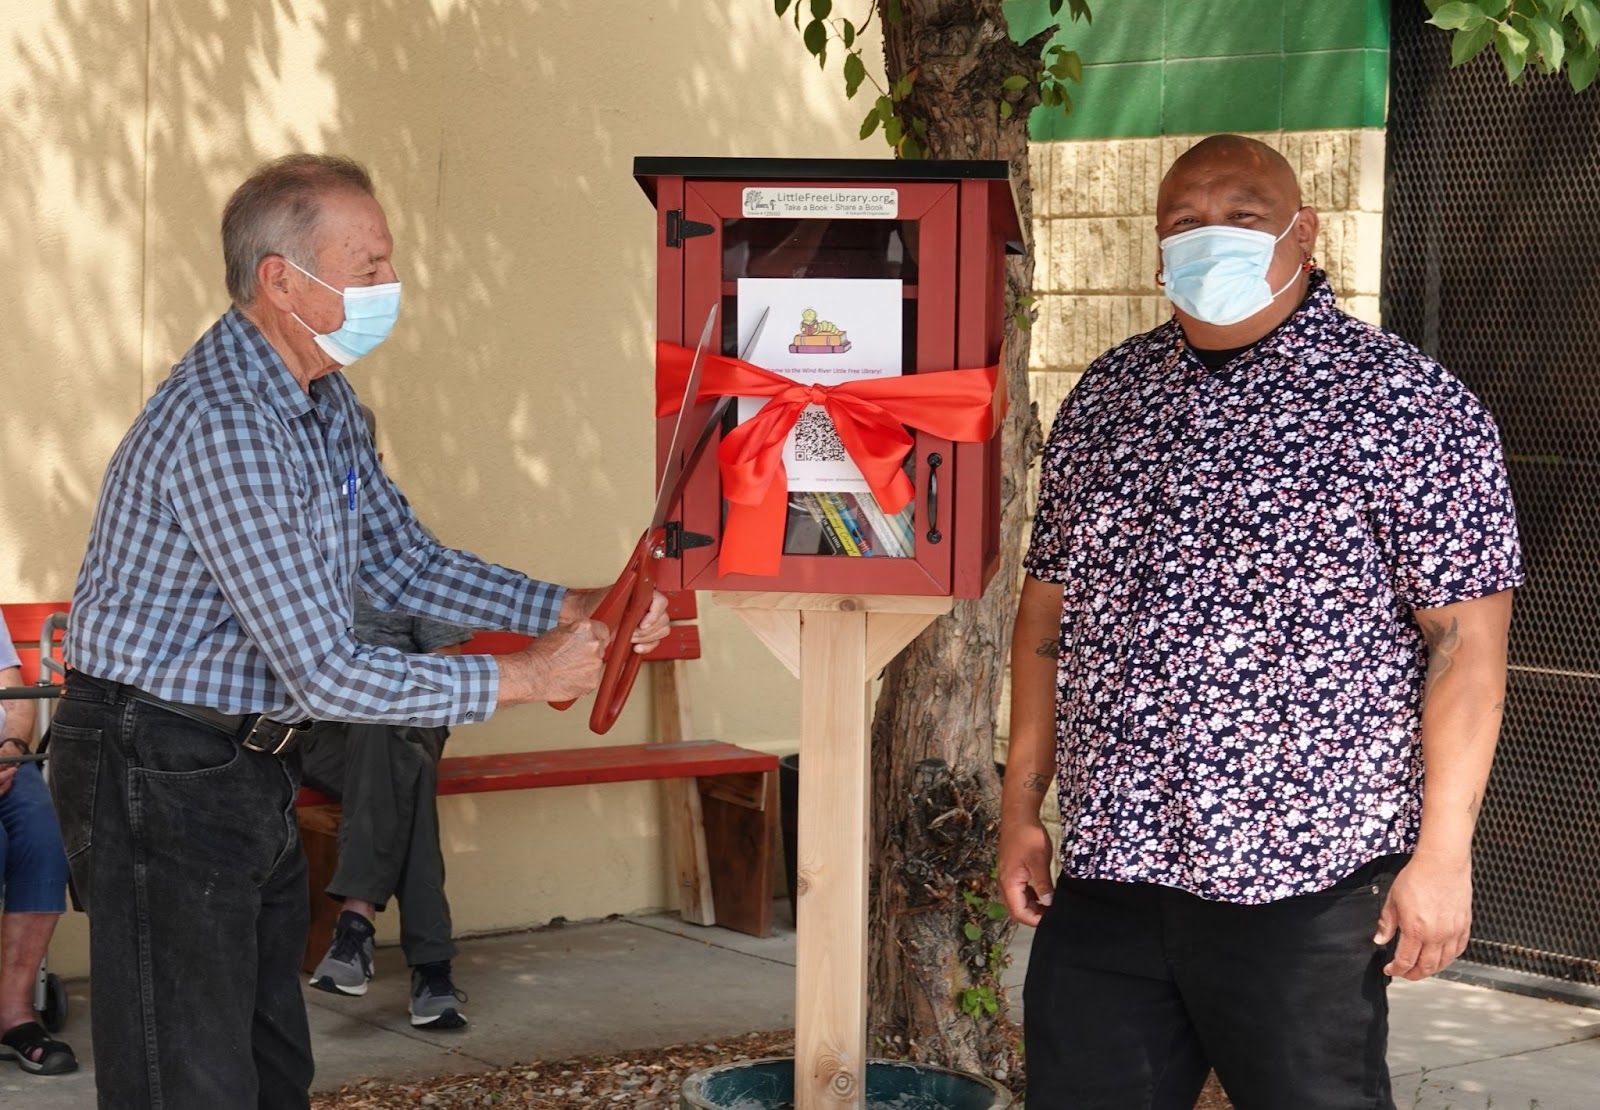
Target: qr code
814	438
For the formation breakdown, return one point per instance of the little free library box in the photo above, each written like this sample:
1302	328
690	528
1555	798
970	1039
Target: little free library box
860	307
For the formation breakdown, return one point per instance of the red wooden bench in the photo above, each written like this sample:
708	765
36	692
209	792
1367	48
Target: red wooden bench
721	800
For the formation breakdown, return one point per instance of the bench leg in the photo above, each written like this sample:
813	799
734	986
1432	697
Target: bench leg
686	838
741	823
319	839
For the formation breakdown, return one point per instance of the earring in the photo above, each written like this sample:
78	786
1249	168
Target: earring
1309	264
1160	280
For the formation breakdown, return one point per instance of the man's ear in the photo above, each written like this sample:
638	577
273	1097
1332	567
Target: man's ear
1305	231
272	282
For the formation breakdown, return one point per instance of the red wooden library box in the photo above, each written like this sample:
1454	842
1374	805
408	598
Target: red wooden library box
865	269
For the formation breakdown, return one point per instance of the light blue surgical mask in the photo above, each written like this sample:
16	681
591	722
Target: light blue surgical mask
1218	274
369	314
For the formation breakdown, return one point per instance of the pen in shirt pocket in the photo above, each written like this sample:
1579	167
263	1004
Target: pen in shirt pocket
350	488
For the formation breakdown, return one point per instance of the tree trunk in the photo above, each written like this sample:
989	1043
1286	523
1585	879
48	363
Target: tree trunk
935	794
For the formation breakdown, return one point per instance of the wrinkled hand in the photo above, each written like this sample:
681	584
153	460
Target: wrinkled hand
1024	870
1430	904
568	659
653	628
7	773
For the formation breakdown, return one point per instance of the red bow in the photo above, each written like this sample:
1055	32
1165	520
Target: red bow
869	414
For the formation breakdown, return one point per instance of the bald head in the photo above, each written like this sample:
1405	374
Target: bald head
1235	182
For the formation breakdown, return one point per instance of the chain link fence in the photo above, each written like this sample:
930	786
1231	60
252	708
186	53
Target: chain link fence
1491	218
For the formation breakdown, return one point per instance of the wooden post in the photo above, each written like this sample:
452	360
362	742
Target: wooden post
681	797
835	644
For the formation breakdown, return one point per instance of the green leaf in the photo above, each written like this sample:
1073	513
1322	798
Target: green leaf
1457	16
1006	109
920	126
892	130
816	37
1512	46
1587	16
1581	69
1069	67
885	108
870	124
910	149
780	6
855	72
901	88
1015	83
1055	8
1048	94
821	9
971	931
1552	47
1080	10
995	910
1466	45
991	1005
849	34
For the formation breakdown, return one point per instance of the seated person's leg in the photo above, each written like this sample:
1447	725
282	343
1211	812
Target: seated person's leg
33	867
425	926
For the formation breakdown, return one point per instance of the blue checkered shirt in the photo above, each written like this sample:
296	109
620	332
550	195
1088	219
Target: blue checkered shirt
236	521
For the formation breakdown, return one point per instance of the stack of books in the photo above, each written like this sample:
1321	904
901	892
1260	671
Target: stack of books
847	524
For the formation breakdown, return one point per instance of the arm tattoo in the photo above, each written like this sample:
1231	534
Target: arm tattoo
1048	649
1036	782
1443	642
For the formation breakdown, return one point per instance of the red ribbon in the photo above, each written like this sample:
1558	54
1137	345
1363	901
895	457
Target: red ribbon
870	415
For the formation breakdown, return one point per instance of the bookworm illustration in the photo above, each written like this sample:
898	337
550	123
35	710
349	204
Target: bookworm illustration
818	337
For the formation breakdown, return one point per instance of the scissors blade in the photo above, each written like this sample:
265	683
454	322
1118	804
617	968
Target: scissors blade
691	390
693	454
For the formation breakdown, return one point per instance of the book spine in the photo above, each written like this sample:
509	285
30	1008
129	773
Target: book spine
836	524
853	523
867	508
829	537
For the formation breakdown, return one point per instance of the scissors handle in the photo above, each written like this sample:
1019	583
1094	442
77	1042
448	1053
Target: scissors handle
621	610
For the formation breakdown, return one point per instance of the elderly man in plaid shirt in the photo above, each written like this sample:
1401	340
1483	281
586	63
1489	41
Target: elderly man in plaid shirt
213	617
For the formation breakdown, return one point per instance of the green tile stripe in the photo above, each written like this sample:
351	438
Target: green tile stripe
1155	67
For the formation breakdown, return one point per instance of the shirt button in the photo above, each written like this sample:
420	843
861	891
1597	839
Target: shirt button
472	715
412	720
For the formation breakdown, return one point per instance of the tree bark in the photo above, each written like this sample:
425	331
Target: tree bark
935	794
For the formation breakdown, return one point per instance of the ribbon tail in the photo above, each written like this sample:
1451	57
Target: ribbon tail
752	535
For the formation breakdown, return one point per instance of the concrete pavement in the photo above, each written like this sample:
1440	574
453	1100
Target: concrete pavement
648	981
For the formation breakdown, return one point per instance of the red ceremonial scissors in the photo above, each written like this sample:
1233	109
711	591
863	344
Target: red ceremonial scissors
628	600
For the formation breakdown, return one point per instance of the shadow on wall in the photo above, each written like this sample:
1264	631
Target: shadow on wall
500	136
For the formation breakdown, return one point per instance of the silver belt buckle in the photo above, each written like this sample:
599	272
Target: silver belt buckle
265	737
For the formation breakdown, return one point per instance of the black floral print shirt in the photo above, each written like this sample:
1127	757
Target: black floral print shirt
1239	690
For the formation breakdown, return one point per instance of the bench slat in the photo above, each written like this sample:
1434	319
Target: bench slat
476	774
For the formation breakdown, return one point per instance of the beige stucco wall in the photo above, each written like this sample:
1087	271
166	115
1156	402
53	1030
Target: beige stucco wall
515	394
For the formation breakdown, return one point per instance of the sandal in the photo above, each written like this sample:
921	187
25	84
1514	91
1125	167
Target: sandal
33	1050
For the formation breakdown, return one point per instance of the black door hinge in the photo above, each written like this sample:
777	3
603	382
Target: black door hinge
679	229
679	541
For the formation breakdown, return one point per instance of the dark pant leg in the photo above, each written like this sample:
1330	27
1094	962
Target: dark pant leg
386	777
281	1036
1289	998
425	926
174	833
1103	1024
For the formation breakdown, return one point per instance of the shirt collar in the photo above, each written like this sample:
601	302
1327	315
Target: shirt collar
279	385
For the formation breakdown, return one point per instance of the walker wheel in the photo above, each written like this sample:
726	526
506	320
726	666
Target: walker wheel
54	1014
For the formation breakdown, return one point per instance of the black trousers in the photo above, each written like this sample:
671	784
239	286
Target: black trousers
386	777
185	851
1135	991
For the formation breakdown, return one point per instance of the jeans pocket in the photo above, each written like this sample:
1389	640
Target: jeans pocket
170	746
74	777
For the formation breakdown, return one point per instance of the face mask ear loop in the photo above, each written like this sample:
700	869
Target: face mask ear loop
331	289
1294	277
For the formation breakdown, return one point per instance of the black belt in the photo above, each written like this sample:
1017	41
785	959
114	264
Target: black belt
253	731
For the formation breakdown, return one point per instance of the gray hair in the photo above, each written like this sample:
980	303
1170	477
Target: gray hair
276	211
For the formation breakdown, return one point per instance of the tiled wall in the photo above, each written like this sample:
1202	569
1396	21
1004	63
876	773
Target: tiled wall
1172	67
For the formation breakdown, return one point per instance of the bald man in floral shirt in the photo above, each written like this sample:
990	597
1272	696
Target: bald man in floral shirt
1269	586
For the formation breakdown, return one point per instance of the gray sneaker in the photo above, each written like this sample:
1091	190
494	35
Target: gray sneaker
348	965
435	1002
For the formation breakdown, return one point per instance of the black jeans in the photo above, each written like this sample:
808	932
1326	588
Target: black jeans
386	778
185	852
1135	991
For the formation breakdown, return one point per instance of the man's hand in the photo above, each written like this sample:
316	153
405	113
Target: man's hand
8	771
562	664
1430	904
1024	870
580	605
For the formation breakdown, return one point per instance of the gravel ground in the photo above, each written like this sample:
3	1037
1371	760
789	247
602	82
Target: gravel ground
645	1080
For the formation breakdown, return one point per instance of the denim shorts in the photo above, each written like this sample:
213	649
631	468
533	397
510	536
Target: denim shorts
33	866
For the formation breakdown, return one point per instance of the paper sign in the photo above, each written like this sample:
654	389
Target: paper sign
836	204
821	331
